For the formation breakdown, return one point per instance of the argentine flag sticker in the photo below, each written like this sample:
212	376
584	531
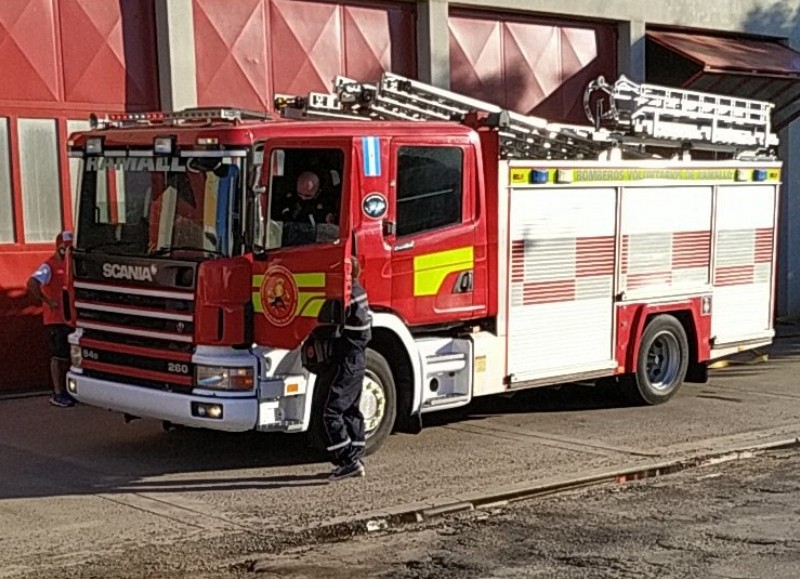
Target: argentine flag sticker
372	156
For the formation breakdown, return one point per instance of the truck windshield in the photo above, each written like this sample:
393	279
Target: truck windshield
149	206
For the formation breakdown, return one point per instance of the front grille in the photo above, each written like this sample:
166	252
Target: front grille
128	343
138	322
103	356
134	301
140	342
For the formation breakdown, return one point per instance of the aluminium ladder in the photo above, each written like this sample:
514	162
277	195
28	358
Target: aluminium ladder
636	116
661	112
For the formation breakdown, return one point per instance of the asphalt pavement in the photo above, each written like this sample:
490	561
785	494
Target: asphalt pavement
81	488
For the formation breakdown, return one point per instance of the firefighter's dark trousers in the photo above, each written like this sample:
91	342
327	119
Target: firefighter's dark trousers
342	418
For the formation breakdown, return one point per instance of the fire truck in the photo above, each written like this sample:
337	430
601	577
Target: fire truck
499	251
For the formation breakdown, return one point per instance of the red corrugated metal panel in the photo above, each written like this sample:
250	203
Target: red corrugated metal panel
247	49
231	53
85	54
30	52
312	42
109	53
306	40
380	39
60	60
529	65
23	345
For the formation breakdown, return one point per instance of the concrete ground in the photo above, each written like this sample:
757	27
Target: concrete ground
733	520
84	494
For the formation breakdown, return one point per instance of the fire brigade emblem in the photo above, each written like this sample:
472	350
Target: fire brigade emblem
375	205
279	296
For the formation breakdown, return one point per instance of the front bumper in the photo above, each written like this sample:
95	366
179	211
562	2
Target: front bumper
238	415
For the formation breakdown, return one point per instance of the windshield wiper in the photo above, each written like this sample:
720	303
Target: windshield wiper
170	248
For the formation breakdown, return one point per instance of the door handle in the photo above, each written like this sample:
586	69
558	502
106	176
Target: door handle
404	246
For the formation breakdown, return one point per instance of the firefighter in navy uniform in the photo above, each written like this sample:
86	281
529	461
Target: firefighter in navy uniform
342	418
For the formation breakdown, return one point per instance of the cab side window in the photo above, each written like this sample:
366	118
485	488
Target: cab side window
429	188
305	196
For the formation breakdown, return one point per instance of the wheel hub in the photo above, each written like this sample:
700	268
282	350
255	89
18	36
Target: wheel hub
663	360
372	404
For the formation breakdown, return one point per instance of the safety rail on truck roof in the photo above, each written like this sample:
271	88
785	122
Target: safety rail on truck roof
630	122
672	113
200	115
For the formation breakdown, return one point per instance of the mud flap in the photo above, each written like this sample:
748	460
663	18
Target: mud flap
697	373
410	424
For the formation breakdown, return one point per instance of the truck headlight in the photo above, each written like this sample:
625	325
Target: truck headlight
219	378
75	355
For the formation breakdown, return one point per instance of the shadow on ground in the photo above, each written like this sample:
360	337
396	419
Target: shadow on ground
49	452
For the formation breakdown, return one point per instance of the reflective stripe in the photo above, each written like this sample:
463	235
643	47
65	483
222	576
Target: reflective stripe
523	176
358	328
338	446
361	298
359	443
309	303
431	270
309	279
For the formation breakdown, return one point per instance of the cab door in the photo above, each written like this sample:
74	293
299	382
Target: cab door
433	251
305	264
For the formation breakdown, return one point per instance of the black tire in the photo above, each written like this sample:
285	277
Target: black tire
662	362
378	402
379	373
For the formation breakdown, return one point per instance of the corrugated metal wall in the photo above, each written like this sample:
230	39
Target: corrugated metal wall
61	60
529	65
249	49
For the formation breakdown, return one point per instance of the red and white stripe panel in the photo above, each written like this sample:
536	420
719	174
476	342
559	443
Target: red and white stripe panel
743	262
560	279
743	257
666	240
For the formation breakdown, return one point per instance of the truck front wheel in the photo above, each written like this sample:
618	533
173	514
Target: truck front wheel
661	364
378	404
378	401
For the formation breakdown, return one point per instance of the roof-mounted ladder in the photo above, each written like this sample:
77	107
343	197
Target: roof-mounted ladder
631	121
661	112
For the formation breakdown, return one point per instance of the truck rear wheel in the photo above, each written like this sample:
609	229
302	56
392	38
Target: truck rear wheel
662	362
378	404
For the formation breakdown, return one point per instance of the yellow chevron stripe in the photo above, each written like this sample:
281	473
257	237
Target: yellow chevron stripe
309	279
309	303
257	307
430	270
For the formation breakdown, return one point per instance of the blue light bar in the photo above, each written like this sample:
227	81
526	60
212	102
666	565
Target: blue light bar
539	176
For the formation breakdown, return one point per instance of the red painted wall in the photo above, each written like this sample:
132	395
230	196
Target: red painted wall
62	59
532	66
249	49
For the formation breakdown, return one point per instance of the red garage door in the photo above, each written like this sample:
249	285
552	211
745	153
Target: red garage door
533	66
249	49
62	59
